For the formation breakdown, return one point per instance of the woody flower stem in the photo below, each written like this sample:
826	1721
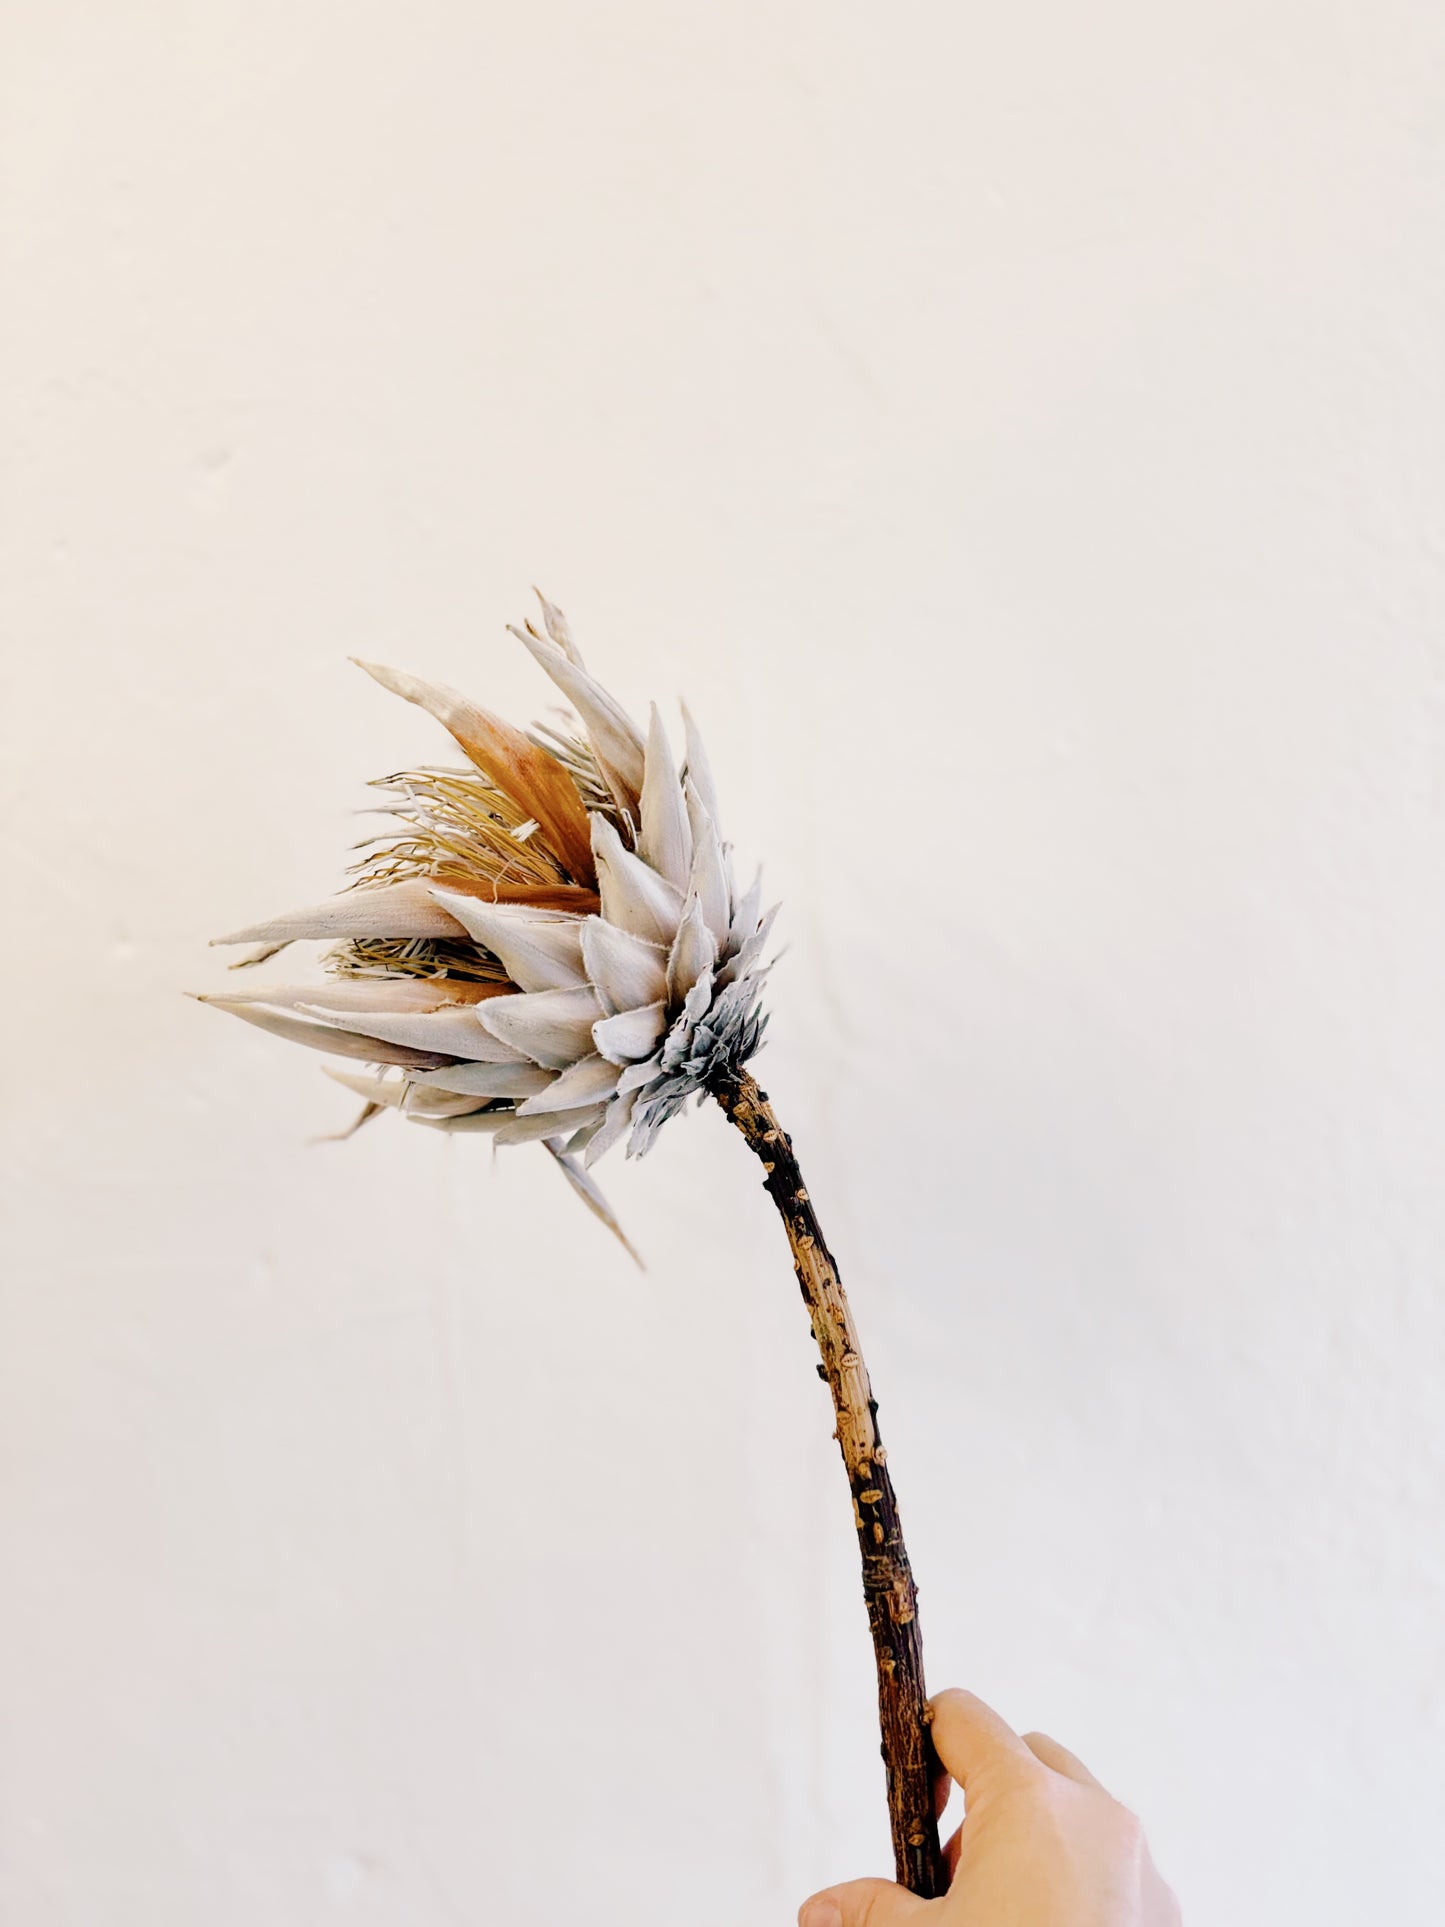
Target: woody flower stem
887	1578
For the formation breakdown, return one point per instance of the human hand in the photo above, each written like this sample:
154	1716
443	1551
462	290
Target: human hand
1043	1844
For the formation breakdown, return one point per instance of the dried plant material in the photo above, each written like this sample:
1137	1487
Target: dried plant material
556	907
549	947
615	739
531	779
320	1035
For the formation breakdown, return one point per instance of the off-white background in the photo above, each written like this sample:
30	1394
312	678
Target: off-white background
1018	431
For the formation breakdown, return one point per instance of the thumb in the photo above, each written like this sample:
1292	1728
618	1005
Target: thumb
861	1903
973	1741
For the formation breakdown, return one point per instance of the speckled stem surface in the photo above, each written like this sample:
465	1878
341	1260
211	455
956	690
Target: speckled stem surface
888	1587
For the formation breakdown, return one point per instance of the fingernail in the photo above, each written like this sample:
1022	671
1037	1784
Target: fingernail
819	1912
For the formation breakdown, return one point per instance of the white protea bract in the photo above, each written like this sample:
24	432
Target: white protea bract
546	946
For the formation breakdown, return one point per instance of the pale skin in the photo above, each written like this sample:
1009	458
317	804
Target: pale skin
1042	1844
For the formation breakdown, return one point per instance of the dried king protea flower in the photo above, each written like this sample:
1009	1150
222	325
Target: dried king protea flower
550	946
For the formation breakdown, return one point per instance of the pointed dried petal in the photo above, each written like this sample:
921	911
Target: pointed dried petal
591	1080
370	993
645	1127
594	1201
745	962
697	767
709	874
634	896
746	910
615	738
665	840
694	950
404	1094
636	1076
340	1043
535	781
624	970
694	1009
445	1033
526	1130
537	952
558	628
613	1126
570	897
376	1086
489	1080
405	909
631	1034
552	1027
486	1121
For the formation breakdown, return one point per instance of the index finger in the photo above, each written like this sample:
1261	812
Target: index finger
971	1739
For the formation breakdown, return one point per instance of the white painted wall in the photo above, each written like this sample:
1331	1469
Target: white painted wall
1019	432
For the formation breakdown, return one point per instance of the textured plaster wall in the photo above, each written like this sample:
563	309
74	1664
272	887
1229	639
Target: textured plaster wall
1018	431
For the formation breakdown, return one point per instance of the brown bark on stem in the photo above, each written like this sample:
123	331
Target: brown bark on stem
888	1587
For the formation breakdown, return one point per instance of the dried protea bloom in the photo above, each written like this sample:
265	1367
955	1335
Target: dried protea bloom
550	946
